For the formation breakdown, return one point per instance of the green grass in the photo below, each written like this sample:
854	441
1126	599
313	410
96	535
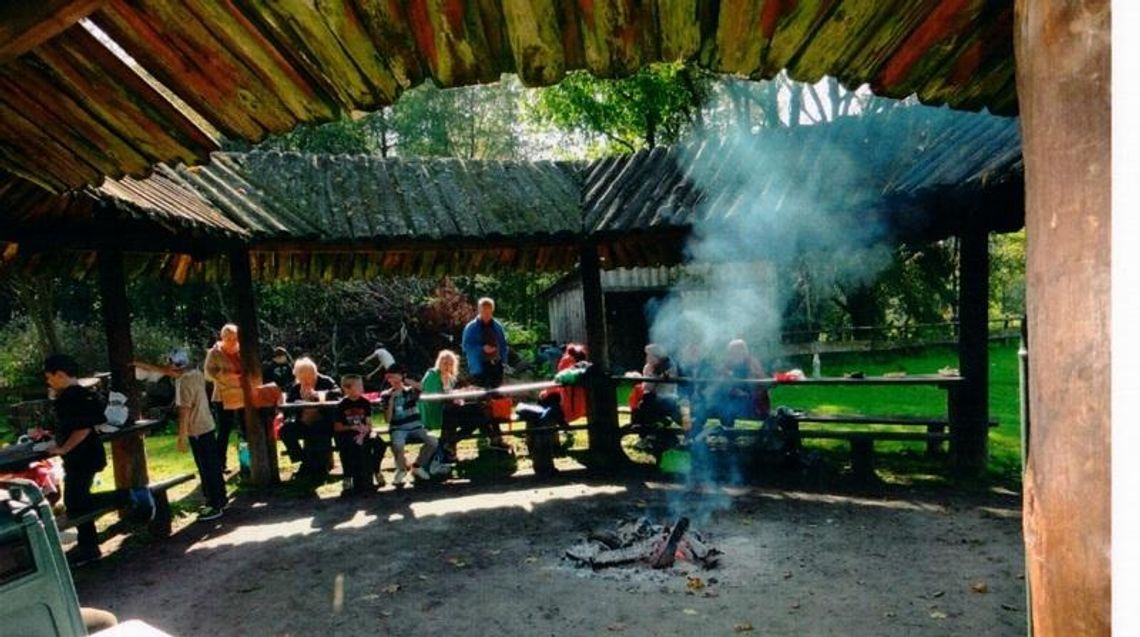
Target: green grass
1004	440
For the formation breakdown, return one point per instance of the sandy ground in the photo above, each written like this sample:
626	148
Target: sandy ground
466	559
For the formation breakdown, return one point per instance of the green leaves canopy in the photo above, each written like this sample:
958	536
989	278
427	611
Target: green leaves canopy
655	106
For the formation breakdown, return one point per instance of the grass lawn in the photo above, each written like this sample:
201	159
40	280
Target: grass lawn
892	457
1005	440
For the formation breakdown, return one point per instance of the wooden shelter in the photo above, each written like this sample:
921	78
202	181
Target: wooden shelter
75	110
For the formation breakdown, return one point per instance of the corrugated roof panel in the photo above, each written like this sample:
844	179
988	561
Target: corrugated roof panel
855	164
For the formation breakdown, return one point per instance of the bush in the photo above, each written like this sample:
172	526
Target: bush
21	359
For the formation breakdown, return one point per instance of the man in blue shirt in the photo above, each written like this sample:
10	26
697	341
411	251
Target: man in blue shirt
485	346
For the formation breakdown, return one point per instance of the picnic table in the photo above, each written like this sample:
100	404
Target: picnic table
859	430
17	457
937	380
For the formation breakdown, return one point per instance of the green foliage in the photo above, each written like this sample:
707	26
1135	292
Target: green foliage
1007	274
21	357
921	283
518	297
656	105
474	122
369	134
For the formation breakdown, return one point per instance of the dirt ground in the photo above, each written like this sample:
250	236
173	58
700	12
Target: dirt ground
471	559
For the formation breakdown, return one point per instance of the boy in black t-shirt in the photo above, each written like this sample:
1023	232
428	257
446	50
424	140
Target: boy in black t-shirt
360	450
78	410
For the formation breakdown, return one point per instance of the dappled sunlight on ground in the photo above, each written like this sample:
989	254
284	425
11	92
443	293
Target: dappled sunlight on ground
524	499
487	558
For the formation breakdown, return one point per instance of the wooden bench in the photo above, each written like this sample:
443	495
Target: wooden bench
862	442
160	526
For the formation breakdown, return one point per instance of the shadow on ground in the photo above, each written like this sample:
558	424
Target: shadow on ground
477	559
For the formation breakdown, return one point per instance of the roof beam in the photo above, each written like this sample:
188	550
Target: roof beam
26	25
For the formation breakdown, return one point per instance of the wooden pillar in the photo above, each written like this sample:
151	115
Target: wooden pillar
601	409
262	450
128	455
970	431
1063	80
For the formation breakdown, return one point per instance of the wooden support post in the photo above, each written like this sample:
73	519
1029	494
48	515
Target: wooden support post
863	459
262	451
1064	76
128	455
968	438
601	409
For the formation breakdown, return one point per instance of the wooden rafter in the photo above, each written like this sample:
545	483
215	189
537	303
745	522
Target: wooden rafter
26	25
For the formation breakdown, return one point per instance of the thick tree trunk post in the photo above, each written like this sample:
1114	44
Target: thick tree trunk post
969	435
601	409
262	454
1063	84
128	455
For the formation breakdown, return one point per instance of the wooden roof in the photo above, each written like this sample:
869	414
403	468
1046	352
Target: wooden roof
71	111
897	167
915	172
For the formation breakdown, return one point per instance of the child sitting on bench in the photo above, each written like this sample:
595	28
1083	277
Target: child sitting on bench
405	424
360	450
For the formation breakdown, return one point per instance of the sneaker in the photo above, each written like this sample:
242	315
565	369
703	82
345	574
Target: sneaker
421	474
441	468
77	557
398	480
209	513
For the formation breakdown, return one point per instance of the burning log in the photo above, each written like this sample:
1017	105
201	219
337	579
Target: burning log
665	553
640	541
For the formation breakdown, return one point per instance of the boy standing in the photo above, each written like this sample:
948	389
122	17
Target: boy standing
78	411
196	427
360	450
404	424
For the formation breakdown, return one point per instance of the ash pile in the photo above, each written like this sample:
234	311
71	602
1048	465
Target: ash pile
641	542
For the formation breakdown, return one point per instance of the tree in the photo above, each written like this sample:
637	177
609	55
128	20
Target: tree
474	122
1007	274
657	105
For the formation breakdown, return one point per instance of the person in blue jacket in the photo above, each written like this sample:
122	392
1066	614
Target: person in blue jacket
485	346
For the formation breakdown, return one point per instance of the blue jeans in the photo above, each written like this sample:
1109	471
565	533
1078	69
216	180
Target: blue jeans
400	438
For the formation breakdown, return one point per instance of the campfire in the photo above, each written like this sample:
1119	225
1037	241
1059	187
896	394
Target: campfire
640	541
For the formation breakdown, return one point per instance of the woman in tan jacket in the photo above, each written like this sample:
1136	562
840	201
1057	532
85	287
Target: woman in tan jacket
224	369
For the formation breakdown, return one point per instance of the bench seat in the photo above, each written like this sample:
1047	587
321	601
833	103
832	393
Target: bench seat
160	525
